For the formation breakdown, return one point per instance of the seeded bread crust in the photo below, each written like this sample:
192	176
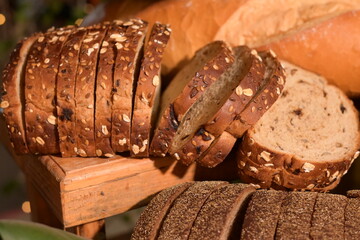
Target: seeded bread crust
104	86
129	53
179	220
11	101
40	111
150	220
85	89
217	216
65	92
148	90
267	95
203	77
352	219
262	215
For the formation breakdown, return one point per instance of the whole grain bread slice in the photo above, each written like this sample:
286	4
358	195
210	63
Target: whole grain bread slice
208	64
104	86
150	220
180	218
218	216
147	96
40	83
65	92
352	218
130	48
85	89
13	98
312	131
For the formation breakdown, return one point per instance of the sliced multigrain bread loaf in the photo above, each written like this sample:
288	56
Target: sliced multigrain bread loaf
104	86
13	97
147	95
85	89
40	83
65	92
205	68
352	215
150	220
262	215
311	132
130	50
218	216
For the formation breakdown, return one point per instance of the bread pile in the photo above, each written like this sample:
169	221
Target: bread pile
239	211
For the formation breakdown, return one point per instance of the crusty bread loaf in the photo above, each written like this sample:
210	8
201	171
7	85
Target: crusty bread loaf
179	221
127	62
352	219
104	86
150	220
40	82
311	132
85	89
147	96
217	216
65	92
12	99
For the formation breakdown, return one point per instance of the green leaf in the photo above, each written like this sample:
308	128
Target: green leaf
21	230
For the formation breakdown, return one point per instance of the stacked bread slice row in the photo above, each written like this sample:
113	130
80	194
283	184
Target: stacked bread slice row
307	140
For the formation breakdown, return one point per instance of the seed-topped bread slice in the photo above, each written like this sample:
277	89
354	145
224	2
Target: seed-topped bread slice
127	62
352	218
208	64
65	92
104	86
13	97
40	83
312	131
150	220
147	96
85	89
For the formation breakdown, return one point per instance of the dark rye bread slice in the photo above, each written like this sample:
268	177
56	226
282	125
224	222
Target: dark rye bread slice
65	92
180	218
207	65
295	215
85	89
218	216
104	86
130	48
262	215
40	83
147	95
314	137
13	97
150	220
328	219
269	92
352	215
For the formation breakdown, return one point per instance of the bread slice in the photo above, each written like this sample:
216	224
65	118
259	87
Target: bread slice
262	215
126	70
103	89
40	83
13	98
65	92
352	219
85	89
328	219
179	220
295	215
147	96
314	137
208	64
217	218
150	220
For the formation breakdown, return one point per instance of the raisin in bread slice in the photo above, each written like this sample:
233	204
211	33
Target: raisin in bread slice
13	97
130	48
40	83
205	68
312	131
148	88
65	92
